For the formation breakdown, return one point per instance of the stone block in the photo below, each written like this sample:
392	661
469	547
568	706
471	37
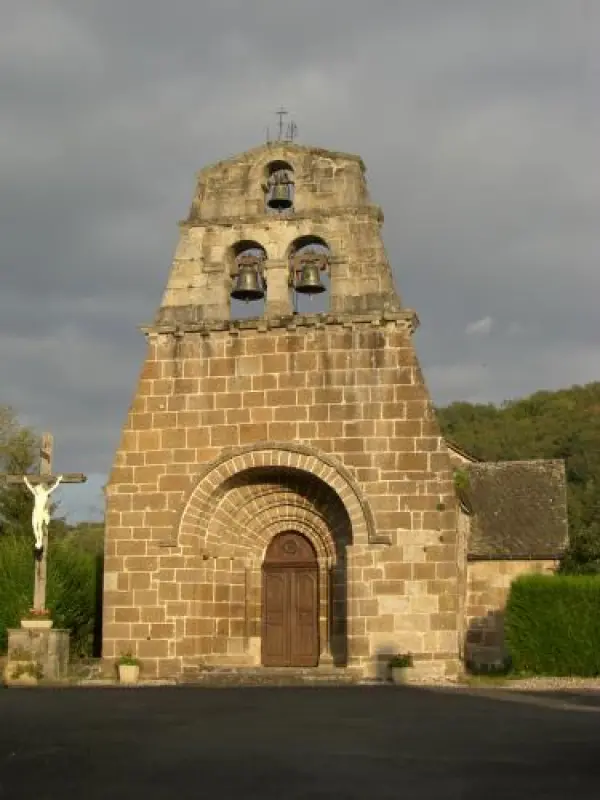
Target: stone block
48	647
394	604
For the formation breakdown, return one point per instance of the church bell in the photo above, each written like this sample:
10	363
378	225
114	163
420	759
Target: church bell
310	280
248	284
281	192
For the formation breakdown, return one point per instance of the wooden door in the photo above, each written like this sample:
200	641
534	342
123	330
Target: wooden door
290	629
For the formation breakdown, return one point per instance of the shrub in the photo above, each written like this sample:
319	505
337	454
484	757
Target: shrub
16	582
73	586
401	660
73	589
552	625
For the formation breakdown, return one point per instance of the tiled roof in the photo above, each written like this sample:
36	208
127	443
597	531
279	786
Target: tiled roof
518	508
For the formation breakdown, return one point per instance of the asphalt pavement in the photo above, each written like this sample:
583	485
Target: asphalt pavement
287	743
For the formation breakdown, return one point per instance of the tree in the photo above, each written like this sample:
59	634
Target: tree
19	448
19	454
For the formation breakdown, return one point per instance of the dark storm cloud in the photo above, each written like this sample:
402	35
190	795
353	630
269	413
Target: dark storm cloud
478	121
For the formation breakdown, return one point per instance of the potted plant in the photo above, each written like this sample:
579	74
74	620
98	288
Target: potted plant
128	667
399	666
37	618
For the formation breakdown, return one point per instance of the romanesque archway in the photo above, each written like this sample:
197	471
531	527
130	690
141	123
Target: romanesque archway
237	508
295	460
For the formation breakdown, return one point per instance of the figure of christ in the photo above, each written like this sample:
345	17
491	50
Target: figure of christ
40	516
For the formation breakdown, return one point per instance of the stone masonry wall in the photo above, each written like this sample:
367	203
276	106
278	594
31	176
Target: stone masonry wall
351	390
488	585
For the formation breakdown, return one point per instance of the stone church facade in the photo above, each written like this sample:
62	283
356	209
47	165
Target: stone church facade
281	494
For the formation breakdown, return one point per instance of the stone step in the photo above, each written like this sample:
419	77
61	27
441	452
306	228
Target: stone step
266	676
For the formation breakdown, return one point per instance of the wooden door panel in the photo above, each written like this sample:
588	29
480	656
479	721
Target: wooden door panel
304	644
276	618
290	624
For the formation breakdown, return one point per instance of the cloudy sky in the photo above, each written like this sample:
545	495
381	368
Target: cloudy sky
479	122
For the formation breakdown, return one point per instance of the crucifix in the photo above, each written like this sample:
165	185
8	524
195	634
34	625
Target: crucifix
41	487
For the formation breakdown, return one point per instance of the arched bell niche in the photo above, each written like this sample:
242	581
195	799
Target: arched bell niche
246	260
279	187
309	258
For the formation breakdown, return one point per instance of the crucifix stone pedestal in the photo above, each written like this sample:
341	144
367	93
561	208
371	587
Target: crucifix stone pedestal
47	647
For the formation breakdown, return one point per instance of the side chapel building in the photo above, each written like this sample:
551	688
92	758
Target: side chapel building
282	495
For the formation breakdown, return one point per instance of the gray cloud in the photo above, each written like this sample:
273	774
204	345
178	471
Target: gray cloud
478	121
480	327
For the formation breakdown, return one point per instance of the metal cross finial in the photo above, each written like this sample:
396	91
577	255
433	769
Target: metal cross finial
285	133
281	114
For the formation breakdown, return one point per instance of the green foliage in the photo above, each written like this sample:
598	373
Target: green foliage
31	668
73	588
401	661
563	424
128	660
19	454
16	582
19	447
72	593
87	536
583	555
552	625
461	480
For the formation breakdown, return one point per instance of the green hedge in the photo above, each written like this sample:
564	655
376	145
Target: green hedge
552	625
74	589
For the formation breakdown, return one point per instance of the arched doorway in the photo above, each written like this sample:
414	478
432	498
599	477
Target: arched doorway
290	603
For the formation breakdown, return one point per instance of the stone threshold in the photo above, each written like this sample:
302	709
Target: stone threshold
265	676
222	677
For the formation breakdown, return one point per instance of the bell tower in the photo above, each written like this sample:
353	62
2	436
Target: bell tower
310	436
272	223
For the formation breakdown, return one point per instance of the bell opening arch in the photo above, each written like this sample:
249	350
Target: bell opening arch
309	258
246	258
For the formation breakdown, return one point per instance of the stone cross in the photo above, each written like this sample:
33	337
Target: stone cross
45	477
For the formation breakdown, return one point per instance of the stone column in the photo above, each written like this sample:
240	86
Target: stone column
278	290
325	656
247	605
358	649
253	611
217	302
